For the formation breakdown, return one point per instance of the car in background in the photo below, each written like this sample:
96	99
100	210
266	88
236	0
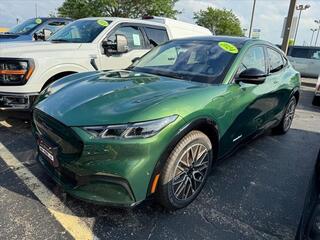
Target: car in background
84	45
309	226
157	128
316	98
305	60
34	29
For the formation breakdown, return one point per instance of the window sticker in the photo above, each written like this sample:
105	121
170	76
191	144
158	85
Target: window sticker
228	47
103	23
136	40
38	21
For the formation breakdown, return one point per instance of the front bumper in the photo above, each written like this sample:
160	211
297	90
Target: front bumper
16	101
115	172
100	188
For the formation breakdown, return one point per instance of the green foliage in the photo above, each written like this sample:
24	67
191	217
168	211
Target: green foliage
219	21
291	42
117	8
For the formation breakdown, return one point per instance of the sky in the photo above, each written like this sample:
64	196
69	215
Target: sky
268	17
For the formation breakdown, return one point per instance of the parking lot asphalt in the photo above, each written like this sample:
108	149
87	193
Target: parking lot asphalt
258	193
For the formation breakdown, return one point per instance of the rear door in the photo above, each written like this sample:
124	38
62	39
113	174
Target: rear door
278	81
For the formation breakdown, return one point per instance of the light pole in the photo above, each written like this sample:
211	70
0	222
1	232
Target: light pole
252	15
317	22
313	31
300	8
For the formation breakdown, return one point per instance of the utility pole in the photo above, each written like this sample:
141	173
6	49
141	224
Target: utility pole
285	40
313	30
252	16
317	22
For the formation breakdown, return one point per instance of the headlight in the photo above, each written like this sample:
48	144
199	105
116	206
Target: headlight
132	130
15	71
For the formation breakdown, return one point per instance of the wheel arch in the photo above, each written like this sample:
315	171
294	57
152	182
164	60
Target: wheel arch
57	76
205	125
296	93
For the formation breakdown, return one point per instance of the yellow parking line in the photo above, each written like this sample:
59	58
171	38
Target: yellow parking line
73	224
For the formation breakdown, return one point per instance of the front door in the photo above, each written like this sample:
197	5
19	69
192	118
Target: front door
136	48
251	101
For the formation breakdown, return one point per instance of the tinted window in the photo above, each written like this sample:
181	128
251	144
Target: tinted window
254	58
55	26
201	61
133	34
156	36
275	60
80	31
308	53
26	26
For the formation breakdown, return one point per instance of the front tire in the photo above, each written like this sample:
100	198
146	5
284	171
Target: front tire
185	171
287	119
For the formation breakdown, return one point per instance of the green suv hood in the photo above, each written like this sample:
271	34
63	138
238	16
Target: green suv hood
99	98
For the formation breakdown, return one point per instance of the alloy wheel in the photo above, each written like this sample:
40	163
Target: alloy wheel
289	115
190	172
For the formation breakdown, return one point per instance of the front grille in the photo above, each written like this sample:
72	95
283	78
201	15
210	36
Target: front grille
69	144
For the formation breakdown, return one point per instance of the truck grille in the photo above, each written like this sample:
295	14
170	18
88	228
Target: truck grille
69	144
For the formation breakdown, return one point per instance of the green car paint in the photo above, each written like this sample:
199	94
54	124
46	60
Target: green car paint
120	171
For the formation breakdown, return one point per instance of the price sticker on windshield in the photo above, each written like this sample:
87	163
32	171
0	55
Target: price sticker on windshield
228	47
38	21
103	23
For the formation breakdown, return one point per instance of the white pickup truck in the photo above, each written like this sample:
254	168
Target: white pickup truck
85	45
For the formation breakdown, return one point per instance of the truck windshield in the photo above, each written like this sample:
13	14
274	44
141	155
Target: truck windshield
26	26
81	31
197	60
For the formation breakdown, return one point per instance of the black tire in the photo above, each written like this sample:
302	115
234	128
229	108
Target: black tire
284	126
316	101
172	177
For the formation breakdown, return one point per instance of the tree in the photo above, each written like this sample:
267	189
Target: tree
117	8
219	21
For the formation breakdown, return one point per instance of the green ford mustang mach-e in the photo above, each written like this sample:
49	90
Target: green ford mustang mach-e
158	127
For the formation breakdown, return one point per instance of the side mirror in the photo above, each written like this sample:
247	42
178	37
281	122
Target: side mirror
120	45
252	76
42	35
46	34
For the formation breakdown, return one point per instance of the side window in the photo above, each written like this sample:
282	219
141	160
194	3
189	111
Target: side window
133	34
254	58
156	36
275	60
316	54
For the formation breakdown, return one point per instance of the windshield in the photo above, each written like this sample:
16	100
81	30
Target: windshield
26	26
81	31
200	61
